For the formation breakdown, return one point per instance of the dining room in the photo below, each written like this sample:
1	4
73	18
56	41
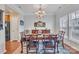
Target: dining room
41	29
47	29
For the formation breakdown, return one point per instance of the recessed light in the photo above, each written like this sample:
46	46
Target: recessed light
19	6
60	7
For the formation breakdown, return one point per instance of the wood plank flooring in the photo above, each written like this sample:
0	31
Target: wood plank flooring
11	46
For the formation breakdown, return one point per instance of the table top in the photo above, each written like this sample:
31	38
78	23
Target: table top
41	37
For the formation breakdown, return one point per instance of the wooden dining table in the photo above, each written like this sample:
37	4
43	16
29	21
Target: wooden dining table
41	38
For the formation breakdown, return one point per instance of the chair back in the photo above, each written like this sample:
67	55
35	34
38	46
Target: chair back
22	35
54	37
61	35
28	37
33	37
48	37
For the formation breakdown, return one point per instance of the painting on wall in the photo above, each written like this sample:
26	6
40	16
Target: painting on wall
39	24
21	22
1	19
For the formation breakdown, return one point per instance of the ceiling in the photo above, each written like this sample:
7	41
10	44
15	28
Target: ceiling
51	9
29	9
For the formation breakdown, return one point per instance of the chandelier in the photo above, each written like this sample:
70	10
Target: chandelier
40	13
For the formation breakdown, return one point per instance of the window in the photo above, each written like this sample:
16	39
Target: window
70	24
1	19
63	25
74	26
73	15
77	14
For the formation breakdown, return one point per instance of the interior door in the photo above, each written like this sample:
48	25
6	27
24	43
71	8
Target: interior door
7	28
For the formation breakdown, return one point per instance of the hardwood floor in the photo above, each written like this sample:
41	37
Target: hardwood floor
72	50
11	46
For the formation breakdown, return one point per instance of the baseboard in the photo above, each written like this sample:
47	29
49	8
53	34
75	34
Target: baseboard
4	52
15	40
18	40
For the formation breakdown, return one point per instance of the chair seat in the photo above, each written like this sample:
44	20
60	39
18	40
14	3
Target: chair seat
23	39
49	46
47	43
32	46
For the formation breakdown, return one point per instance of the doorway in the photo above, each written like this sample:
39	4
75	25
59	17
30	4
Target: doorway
7	27
7	33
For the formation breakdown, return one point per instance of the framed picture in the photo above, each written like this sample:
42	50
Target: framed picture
39	24
1	19
21	22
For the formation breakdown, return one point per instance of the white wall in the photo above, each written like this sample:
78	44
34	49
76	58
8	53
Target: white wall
30	19
14	27
2	33
66	9
21	27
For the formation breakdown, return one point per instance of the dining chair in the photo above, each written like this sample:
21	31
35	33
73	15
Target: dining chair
55	38
23	40
33	42
27	41
48	44
61	37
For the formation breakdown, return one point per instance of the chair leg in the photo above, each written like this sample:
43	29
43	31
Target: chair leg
26	48
54	49
36	49
62	43
44	47
57	48
37	46
21	46
54	46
